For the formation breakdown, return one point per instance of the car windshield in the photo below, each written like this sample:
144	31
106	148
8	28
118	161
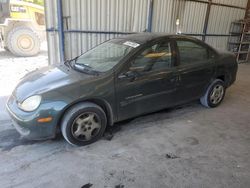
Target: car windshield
105	56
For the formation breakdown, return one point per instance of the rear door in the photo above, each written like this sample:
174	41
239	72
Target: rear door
147	82
196	68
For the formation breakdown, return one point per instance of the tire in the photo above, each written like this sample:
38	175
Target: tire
83	124
214	94
23	41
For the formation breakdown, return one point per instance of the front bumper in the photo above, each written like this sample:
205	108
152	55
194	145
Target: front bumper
22	130
26	122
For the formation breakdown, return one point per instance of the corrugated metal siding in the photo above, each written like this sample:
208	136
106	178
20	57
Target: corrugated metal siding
163	20
132	16
219	22
101	15
217	42
193	20
221	18
239	3
52	37
166	13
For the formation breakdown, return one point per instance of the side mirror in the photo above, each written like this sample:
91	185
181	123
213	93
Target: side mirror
128	75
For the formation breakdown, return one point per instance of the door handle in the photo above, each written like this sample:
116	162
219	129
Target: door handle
179	78
122	76
175	79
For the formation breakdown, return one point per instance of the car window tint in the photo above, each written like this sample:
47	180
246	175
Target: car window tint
191	52
155	57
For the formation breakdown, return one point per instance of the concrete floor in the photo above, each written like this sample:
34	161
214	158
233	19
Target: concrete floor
189	146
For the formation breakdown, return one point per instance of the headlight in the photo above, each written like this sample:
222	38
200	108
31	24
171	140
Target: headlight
31	103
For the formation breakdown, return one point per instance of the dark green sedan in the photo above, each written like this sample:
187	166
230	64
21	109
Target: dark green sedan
119	79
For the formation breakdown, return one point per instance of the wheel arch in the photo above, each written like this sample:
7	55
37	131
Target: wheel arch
100	102
225	77
223	74
221	77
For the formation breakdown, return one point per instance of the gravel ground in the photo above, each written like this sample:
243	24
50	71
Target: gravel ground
188	146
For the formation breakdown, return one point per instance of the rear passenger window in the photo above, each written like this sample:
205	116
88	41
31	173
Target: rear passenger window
191	52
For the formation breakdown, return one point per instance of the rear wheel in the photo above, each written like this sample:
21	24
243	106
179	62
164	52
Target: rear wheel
83	124
214	95
23	41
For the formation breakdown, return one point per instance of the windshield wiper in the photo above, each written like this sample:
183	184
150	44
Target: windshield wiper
85	68
80	66
68	63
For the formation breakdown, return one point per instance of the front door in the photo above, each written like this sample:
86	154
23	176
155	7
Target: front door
147	82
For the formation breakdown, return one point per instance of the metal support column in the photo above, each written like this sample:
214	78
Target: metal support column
206	20
150	16
60	29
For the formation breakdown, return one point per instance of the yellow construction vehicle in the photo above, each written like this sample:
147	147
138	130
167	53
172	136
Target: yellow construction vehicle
22	27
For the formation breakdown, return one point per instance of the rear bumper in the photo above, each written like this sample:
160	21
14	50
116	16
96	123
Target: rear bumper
233	75
26	123
234	71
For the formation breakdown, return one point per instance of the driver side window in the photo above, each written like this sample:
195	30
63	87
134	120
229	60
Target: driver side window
155	57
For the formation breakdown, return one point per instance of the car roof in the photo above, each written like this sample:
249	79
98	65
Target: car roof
142	38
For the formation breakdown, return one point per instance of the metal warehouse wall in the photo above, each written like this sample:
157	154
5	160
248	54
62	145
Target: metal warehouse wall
87	23
52	34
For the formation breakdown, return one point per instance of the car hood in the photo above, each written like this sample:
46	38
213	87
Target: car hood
46	79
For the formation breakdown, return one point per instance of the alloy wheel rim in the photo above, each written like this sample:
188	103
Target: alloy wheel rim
217	94
86	126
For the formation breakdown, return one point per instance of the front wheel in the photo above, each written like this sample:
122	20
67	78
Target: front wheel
83	124
214	95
